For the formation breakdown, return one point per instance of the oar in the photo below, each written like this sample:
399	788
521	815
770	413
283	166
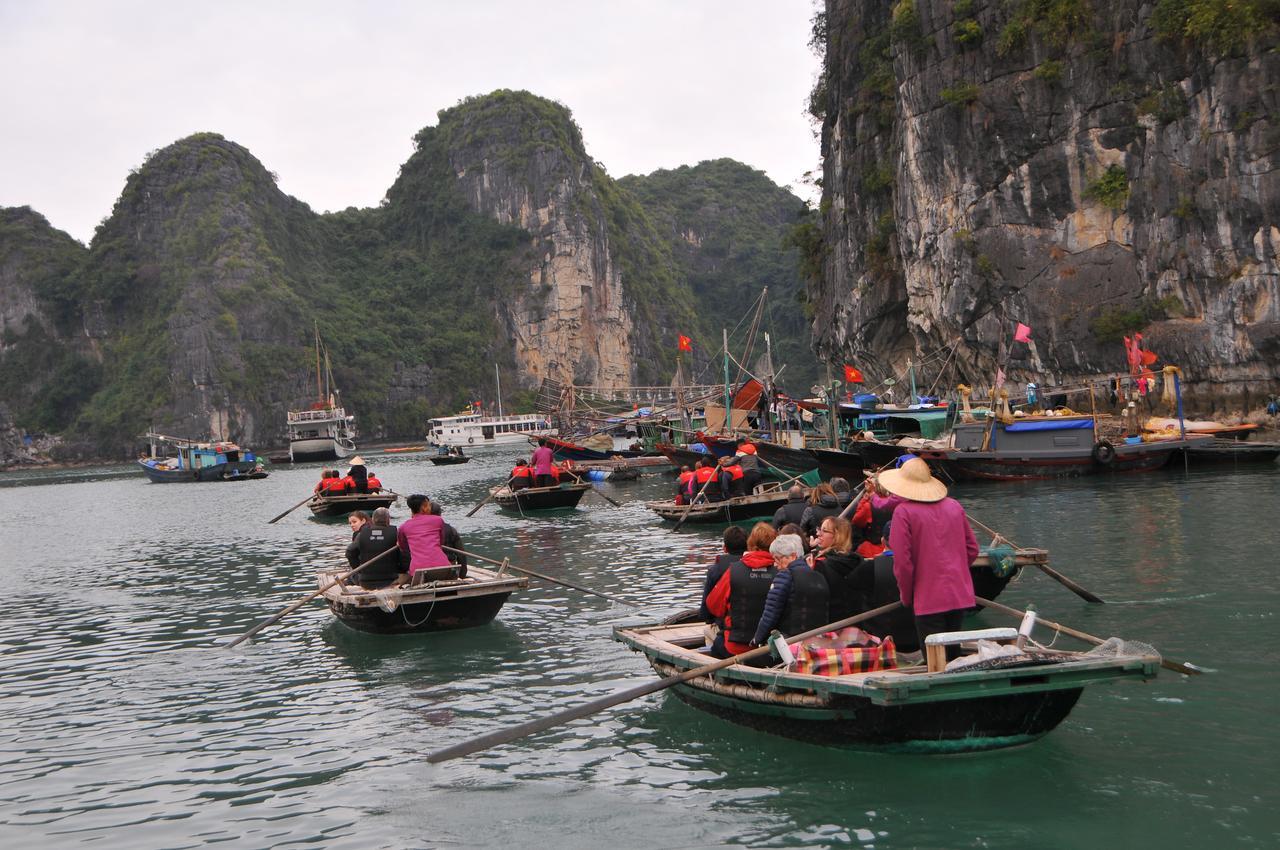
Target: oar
522	730
692	501
606	498
492	493
292	509
546	578
783	471
275	618
1176	666
1046	569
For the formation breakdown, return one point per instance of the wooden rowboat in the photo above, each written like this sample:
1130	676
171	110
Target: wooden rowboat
336	506
999	703
760	505
448	460
436	607
540	498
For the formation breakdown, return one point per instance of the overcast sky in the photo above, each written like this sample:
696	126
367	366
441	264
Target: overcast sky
329	95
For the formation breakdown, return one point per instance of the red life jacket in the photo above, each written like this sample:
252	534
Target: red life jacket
704	474
333	485
348	485
684	477
734	471
555	472
521	472
374	483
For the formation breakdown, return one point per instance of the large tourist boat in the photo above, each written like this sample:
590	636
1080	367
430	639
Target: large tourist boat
324	430
475	429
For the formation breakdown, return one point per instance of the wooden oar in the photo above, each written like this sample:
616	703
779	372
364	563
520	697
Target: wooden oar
692	501
522	730
1176	666
492	493
1046	569
292	509
606	498
289	609
546	578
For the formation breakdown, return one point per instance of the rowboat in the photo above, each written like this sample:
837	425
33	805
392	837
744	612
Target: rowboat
540	498
448	459
434	607
1003	702
759	505
336	506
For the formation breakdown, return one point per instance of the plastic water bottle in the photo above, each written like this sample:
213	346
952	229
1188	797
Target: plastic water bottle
1024	630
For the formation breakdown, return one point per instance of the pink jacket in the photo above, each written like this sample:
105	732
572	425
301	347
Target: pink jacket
933	547
419	537
542	459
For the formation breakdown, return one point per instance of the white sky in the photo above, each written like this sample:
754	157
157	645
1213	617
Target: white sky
329	95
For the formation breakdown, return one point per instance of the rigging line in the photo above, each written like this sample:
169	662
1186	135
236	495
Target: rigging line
943	370
751	335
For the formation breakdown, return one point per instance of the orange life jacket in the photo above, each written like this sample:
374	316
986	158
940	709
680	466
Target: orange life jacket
704	474
373	482
521	472
555	472
334	485
685	476
735	471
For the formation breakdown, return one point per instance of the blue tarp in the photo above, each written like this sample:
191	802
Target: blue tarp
1046	425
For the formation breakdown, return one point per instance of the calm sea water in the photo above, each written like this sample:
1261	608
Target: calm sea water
124	725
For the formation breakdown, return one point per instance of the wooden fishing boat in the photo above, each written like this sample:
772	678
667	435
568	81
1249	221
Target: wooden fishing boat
336	506
196	461
435	607
793	461
1231	451
683	456
1168	427
565	450
540	498
998	703
834	463
759	505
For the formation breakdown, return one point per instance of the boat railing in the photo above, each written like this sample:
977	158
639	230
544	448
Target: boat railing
316	415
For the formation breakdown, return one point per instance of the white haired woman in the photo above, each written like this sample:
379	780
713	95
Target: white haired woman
798	599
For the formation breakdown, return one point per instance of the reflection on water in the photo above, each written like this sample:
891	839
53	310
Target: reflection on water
129	727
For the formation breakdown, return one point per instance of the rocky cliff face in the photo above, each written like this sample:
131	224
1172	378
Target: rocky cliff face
192	310
1089	169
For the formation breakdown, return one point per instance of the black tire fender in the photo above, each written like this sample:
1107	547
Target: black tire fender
1103	453
471	439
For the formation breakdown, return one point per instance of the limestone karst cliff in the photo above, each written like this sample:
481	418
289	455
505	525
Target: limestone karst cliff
1087	168
501	242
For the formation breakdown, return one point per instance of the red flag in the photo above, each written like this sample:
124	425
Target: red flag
852	375
1022	334
685	344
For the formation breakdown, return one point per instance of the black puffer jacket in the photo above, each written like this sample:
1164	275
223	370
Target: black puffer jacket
850	579
814	514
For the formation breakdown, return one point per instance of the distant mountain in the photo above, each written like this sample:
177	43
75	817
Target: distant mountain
501	242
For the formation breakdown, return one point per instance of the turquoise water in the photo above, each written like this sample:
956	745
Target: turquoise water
128	727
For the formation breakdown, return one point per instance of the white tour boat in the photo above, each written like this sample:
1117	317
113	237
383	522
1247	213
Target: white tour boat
324	430
475	429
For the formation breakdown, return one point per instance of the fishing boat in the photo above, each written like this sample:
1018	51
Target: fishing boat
791	460
433	607
323	430
565	450
1046	447
343	504
196	461
759	505
1003	702
834	463
1231	451
448	458
683	456
540	498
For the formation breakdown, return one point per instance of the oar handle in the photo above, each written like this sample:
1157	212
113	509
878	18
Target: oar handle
1070	585
542	576
689	507
275	618
492	493
522	730
292	509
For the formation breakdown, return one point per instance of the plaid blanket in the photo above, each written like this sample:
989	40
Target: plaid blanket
826	661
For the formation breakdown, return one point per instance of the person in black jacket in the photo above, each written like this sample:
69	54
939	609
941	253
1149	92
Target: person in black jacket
450	537
793	510
375	537
822	504
798	598
735	544
850	577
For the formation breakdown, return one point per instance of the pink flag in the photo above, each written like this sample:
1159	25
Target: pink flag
1022	334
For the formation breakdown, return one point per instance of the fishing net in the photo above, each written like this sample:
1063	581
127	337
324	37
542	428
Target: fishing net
1114	647
1003	560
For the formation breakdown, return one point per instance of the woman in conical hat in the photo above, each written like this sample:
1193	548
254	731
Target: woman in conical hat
933	548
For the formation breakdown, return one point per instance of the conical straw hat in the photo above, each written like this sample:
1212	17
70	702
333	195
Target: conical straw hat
913	481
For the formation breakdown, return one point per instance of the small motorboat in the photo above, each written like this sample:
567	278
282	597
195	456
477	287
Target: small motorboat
448	458
431	607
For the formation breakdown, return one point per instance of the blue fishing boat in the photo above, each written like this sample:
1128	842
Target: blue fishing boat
196	461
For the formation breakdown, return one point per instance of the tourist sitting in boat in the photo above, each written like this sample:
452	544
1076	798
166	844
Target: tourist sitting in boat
731	477
521	476
822	504
849	577
793	510
735	544
737	600
375	484
798	598
870	517
704	482
450	537
419	541
683	494
933	548
750	464
542	462
330	484
358	476
844	495
357	520
375	537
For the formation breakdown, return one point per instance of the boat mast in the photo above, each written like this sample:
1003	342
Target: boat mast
911	370
728	420
319	392
498	378
769	392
